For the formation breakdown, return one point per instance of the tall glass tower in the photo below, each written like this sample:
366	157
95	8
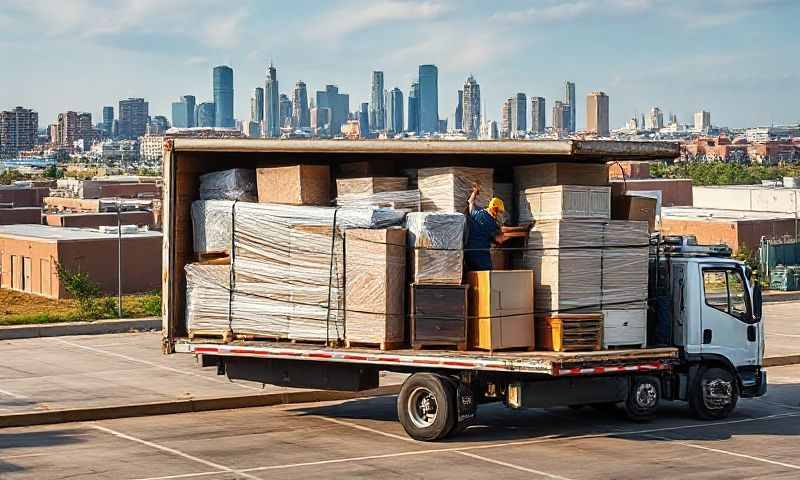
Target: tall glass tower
428	99
300	114
108	120
471	113
569	97
413	107
257	106
377	108
272	126
394	115
223	97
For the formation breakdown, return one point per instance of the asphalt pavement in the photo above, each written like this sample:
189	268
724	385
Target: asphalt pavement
362	439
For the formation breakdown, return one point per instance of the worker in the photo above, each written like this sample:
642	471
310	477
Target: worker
483	227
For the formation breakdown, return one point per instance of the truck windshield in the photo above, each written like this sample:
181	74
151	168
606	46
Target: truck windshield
726	291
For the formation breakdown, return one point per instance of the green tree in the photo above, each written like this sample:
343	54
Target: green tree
53	171
87	293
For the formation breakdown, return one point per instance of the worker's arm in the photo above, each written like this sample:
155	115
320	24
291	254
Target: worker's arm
476	189
501	238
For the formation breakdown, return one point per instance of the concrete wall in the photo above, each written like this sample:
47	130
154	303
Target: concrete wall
758	199
13	216
24	197
674	192
41	255
94	220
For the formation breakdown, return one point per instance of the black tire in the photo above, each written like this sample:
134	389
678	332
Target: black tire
641	403
714	394
426	407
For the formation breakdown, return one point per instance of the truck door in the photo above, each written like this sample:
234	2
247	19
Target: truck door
727	324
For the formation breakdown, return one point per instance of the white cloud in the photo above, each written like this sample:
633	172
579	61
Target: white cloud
346	18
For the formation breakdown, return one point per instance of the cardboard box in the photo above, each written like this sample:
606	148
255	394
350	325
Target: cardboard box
563	202
632	207
501	309
447	189
375	269
370	185
550	174
295	185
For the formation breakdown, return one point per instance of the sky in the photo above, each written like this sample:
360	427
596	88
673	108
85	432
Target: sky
737	59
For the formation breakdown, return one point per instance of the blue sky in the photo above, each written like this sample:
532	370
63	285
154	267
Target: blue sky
736	58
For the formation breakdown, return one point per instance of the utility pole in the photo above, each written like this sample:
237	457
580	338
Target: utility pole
119	257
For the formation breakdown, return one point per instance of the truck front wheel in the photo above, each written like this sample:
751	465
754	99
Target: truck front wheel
426	406
643	397
714	394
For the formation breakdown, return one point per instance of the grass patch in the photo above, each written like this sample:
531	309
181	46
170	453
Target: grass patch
17	308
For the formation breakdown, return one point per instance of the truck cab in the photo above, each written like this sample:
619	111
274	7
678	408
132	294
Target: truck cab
716	324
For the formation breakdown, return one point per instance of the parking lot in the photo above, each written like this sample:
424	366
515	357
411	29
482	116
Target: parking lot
361	438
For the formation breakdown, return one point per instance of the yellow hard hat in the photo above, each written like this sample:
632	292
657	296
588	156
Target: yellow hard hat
496	202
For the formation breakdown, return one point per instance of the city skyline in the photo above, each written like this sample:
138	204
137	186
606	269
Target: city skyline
715	65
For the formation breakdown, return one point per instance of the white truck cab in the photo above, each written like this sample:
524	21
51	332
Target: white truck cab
716	322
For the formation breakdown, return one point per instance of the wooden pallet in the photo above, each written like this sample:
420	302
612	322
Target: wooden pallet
254	337
379	345
570	333
224	335
461	347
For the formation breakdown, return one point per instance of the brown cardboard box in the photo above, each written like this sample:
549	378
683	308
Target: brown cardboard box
375	280
549	174
631	207
369	185
447	189
295	185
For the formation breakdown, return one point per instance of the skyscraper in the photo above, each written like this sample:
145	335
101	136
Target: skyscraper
597	114
377	107
394	114
300	115
428	99
460	111
204	116
223	97
655	120
257	105
519	115
702	121
471	116
285	111
363	120
183	112
18	130
133	115
191	104
338	103
108	120
560	121
272	120
506	122
413	107
538	115
569	98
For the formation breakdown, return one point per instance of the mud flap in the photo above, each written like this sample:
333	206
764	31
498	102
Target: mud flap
465	401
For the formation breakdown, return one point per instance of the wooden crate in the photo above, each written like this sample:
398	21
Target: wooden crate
370	185
561	173
294	185
501	309
570	332
439	316
564	202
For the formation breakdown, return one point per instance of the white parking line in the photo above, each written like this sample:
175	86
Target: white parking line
511	465
725	452
152	364
371	430
220	468
783	335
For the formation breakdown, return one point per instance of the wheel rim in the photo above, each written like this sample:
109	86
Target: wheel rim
717	393
422	407
646	396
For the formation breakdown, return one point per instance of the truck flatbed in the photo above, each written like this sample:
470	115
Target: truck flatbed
556	364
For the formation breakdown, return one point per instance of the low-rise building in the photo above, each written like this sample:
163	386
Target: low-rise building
141	218
757	198
30	256
14	215
23	196
740	230
672	192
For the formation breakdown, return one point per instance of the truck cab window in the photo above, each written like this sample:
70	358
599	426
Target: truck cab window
725	290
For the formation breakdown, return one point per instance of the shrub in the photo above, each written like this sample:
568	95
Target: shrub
87	293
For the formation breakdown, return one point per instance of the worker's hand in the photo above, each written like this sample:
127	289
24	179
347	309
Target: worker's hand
476	189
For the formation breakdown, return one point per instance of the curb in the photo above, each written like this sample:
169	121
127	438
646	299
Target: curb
781	297
184	406
99	327
781	361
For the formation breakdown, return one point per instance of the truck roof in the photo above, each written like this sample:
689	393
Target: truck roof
557	150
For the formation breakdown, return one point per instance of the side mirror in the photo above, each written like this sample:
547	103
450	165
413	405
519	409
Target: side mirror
758	302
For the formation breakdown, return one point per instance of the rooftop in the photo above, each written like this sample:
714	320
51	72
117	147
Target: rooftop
745	187
46	232
715	214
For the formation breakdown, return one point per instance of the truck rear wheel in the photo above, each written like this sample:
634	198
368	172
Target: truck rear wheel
426	406
714	394
643	397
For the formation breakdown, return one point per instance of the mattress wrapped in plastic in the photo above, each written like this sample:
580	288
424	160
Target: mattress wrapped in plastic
587	265
211	226
447	189
288	264
207	298
233	184
409	200
436	242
